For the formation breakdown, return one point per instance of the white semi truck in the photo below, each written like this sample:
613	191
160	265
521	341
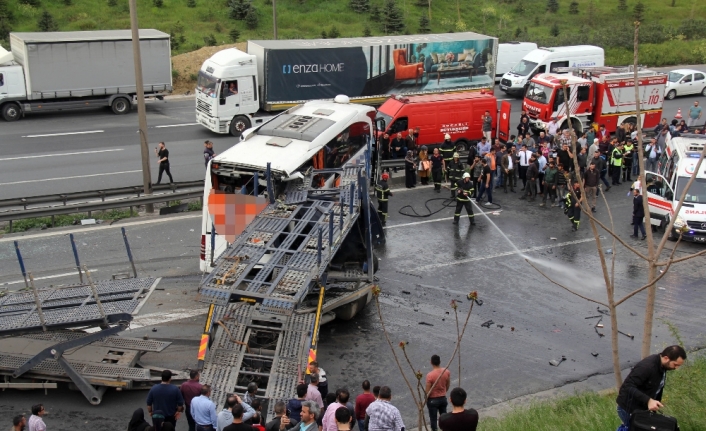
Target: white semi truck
55	71
237	90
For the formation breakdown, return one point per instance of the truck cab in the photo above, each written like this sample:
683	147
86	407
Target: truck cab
12	86
544	100
226	92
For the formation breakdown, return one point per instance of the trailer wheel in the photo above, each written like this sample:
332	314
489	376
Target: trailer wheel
11	112
461	145
120	106
671	95
239	124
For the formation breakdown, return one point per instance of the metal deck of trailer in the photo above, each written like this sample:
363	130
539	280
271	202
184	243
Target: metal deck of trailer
261	327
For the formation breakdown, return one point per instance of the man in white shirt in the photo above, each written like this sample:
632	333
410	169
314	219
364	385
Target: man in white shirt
524	157
552	127
35	422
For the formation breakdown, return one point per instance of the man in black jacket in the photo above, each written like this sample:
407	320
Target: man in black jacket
644	386
638	214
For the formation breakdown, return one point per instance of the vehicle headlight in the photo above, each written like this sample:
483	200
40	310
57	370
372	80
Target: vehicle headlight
679	222
517	81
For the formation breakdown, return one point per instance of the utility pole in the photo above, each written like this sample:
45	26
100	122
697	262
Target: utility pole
141	114
274	17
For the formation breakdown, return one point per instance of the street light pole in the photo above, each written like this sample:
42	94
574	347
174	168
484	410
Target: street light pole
141	114
274	17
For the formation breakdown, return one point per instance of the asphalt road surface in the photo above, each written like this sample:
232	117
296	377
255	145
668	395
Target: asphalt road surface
425	264
63	152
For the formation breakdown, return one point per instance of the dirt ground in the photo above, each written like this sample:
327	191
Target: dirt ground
188	64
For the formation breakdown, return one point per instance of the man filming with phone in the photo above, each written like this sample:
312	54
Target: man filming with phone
281	420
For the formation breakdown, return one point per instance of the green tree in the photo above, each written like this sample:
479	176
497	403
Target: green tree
251	19
158	3
622	5
360	6
210	40
112	3
4	28
638	12
334	33
424	25
67	2
5	12
239	9
47	22
33	3
553	6
323	34
367	32
574	8
174	41
234	35
191	3
554	31
518	33
375	13
394	20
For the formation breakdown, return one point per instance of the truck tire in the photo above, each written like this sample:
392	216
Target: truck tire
11	112
461	145
239	124
120	106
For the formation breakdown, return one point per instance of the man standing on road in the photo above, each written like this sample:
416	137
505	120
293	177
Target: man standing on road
312	392
249	395
590	184
531	174
524	158
329	420
638	214
459	419
694	114
573	206
437	384
488	126
238	424
485	184
464	190
508	165
189	390
163	155
362	402
165	398
644	386
483	147
225	416
204	411
208	153
551	175
310	410
280	421
383	415
35	422
18	423
617	162
383	193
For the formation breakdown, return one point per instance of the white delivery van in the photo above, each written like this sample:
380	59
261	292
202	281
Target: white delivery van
509	54
548	60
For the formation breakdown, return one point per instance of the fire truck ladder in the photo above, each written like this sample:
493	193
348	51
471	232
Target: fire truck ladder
253	331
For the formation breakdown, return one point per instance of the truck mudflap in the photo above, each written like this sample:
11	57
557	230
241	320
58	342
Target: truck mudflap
252	344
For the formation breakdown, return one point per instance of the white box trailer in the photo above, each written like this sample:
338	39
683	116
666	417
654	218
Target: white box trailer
65	70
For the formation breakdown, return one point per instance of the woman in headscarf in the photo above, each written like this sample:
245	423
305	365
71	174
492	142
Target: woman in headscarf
424	165
138	422
410	170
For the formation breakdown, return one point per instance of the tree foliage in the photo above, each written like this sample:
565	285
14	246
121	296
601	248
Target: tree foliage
191	3
553	6
393	19
424	24
375	13
47	22
251	19
554	31
359	6
239	9
638	12
367	32
574	8
234	35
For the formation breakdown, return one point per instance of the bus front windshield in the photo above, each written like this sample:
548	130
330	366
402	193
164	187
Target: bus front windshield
696	193
206	84
538	93
524	67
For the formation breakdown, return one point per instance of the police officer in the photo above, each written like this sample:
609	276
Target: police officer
572	206
628	149
617	161
447	150
382	193
464	190
455	168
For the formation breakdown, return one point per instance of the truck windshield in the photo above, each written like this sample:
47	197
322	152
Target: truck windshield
386	118
696	193
206	84
524	67
538	93
675	77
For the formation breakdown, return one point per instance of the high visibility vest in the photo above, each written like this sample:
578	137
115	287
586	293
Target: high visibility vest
617	161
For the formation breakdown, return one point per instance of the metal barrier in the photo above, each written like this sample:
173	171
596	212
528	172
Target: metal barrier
65	198
97	206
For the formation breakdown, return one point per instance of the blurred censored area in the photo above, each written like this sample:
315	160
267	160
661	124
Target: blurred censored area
231	213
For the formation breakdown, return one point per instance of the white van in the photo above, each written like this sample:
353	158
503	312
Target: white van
547	60
509	54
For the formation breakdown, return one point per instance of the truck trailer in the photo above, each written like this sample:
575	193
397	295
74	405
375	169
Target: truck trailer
66	70
237	90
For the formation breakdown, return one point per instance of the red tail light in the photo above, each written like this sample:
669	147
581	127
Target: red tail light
203	247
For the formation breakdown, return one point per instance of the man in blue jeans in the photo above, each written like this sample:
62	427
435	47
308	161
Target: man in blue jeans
437	384
644	386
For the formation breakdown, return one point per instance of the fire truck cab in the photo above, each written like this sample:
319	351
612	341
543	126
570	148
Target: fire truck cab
597	95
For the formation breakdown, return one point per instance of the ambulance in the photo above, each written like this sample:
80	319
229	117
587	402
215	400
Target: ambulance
664	188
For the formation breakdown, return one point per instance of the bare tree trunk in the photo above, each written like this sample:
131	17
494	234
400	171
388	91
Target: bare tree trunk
430	11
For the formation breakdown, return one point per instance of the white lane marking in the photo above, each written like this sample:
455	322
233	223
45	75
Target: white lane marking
97	228
176	125
160	318
60	154
438	219
507	253
47	277
88	132
69	178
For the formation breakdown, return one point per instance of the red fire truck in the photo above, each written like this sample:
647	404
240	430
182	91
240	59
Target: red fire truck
597	95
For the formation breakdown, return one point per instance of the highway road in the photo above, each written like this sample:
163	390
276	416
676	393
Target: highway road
82	150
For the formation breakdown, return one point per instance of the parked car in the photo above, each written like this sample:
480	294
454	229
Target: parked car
682	82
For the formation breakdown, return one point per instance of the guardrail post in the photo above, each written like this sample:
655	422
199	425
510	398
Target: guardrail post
52	221
129	252
95	297
256	184
22	263
270	192
78	263
37	302
10	226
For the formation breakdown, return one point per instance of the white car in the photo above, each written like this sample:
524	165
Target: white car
682	82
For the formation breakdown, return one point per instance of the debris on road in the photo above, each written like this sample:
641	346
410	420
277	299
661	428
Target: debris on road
595	354
632	337
487	324
556	363
425	323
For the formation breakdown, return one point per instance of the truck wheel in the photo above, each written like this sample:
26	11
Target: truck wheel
671	95
461	145
120	106
239	124
703	92
11	112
